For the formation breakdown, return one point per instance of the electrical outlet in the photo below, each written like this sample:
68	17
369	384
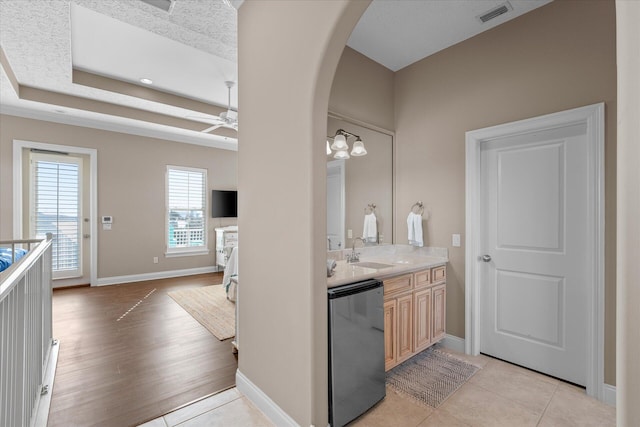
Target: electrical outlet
350	234
455	240
155	259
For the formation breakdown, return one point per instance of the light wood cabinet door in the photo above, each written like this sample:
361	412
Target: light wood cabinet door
439	274
439	311
390	334
405	327
422	315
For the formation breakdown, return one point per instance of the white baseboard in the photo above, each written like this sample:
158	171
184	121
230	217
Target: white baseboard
454	343
115	280
41	416
263	402
609	395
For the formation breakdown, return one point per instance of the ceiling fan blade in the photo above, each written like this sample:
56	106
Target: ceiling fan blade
204	119
212	128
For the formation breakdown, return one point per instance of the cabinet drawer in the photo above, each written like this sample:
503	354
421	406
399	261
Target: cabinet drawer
422	278
438	274
398	284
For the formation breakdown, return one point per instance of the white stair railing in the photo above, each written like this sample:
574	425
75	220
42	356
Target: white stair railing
25	334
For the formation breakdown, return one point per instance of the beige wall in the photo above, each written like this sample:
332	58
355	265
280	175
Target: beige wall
363	90
557	57
131	188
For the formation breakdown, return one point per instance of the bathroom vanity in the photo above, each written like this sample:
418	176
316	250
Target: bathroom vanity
414	282
414	313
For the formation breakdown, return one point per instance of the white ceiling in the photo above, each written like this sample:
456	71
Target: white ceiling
192	51
113	48
399	33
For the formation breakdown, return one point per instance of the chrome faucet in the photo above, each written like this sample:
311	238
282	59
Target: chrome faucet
354	256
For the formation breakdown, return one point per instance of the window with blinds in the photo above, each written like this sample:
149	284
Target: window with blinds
186	209
56	209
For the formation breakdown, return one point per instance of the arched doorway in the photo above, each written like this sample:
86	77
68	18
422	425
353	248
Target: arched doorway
288	54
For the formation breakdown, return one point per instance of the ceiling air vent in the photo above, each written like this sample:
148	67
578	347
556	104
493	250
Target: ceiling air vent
495	12
166	5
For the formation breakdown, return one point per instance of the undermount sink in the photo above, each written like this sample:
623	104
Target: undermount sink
374	265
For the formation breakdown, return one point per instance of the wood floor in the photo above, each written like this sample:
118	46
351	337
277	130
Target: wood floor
129	353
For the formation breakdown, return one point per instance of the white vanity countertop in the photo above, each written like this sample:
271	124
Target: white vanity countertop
401	259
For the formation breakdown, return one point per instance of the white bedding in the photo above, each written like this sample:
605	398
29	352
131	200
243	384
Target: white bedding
231	270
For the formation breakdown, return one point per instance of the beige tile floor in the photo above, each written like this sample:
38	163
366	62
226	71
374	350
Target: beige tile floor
499	394
229	408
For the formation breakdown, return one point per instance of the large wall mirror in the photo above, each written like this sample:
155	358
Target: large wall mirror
355	184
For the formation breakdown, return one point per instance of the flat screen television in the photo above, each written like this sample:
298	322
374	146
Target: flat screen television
224	204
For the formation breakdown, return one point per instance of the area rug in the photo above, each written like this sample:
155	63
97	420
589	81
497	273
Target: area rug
430	377
209	306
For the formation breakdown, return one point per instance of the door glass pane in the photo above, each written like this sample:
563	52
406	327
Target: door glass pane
56	210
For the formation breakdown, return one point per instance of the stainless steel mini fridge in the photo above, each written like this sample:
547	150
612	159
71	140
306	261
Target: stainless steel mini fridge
356	350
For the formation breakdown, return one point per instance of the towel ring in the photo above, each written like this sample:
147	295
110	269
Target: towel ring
371	208
419	206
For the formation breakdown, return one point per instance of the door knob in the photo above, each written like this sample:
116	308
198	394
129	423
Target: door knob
486	258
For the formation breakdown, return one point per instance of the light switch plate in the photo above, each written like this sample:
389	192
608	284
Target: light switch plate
455	240
349	234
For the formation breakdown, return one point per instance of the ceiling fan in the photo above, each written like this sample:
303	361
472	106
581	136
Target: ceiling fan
226	119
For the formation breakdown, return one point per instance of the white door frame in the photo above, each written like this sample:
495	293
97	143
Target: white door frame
593	117
18	147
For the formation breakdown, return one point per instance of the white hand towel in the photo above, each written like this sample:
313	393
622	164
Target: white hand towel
414	225
370	232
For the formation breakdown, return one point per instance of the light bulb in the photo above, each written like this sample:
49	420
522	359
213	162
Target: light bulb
358	148
339	143
341	155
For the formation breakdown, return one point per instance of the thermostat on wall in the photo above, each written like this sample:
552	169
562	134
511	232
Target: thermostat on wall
107	220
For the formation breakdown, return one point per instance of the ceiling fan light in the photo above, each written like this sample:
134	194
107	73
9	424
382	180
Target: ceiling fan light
339	143
341	155
358	148
328	148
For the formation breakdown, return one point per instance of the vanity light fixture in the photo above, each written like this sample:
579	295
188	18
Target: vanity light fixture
342	148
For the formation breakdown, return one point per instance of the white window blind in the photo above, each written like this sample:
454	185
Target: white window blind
186	209
56	209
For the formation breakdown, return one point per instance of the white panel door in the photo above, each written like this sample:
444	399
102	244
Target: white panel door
534	301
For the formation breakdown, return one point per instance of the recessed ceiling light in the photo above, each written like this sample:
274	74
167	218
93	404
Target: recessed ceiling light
146	81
